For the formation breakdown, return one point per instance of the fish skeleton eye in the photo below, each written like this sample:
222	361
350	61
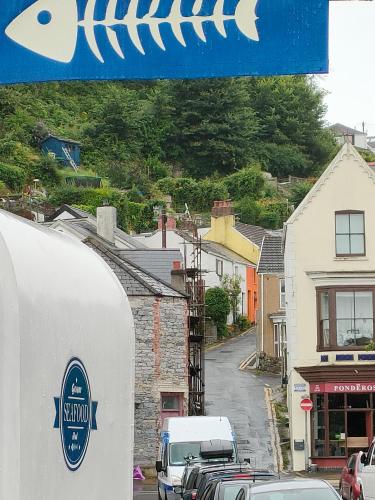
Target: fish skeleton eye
44	17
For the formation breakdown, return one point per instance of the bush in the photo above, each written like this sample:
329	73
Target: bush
247	182
13	177
45	170
218	308
248	210
243	323
299	191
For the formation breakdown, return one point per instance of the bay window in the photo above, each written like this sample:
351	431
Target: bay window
345	317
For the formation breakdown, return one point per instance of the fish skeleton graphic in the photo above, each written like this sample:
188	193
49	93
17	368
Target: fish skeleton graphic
50	27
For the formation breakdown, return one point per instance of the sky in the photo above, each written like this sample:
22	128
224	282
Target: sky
351	80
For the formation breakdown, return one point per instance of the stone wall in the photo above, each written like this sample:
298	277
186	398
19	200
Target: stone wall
160	366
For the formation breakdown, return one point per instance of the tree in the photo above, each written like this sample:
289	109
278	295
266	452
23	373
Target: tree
232	286
213	126
218	308
298	192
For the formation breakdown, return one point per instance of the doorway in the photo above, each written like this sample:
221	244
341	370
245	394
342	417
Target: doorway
358	430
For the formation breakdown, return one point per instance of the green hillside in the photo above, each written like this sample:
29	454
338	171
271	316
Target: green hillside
195	140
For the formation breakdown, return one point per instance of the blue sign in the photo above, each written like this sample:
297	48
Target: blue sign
75	413
43	40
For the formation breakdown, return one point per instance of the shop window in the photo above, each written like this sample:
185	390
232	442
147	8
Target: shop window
336	401
337	436
318	400
350	233
358	401
345	318
319	431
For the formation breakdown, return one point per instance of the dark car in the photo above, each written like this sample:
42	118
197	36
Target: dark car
243	475
291	489
350	484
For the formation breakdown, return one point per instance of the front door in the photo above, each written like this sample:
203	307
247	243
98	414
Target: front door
358	431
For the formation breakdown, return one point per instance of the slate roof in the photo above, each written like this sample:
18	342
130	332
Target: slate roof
253	233
85	224
271	259
339	128
156	261
135	280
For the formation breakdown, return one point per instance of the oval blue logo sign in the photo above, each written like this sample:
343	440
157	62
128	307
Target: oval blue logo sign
75	413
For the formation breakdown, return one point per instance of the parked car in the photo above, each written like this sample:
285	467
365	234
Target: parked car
368	473
180	443
350	481
290	489
227	483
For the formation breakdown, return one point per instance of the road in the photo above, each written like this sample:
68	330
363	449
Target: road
239	395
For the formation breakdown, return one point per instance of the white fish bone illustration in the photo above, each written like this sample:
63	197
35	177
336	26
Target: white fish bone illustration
50	27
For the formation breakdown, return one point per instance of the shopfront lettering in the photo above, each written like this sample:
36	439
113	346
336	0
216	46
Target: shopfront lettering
340	387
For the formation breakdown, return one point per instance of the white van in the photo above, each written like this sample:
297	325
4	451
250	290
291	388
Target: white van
181	437
367	474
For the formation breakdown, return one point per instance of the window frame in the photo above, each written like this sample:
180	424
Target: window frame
219	267
282	294
333	319
351	212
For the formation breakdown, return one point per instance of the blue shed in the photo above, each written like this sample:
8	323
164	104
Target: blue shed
64	150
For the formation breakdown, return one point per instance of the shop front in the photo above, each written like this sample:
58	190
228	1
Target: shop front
342	420
343	416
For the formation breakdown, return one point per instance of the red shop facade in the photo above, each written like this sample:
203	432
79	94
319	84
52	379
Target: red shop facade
343	416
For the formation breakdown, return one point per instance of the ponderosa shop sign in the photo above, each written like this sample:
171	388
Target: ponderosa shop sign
343	387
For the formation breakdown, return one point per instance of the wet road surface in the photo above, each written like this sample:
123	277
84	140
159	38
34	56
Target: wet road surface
239	395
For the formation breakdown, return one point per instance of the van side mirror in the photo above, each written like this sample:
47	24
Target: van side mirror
159	466
364	459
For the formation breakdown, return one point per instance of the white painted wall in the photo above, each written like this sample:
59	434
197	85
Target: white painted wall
310	261
59	300
175	241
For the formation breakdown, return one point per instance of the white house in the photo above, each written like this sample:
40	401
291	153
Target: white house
217	260
343	134
330	297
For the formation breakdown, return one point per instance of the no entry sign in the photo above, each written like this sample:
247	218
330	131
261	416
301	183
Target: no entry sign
44	40
306	404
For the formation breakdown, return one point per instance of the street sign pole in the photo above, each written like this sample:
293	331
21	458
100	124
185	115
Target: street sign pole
306	405
306	445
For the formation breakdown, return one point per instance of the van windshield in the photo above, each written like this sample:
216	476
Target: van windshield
180	453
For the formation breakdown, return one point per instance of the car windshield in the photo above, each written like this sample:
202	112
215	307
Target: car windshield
297	494
180	453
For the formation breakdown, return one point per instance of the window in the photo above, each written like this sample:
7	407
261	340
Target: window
236	271
345	318
219	267
350	233
282	293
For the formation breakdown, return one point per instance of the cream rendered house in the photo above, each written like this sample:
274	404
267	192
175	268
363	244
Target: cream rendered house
330	297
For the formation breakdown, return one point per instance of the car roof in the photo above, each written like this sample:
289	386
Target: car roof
290	484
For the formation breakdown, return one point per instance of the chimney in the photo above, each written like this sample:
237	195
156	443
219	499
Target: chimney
170	223
222	208
106	222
